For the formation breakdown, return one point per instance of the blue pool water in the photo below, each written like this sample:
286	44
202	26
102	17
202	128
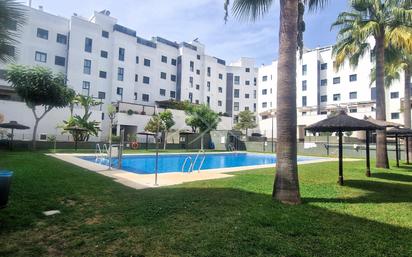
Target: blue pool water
145	164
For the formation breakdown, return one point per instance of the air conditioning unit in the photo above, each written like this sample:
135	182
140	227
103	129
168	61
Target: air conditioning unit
43	137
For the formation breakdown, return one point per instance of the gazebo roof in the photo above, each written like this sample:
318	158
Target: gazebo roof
342	122
382	123
146	133
13	125
399	132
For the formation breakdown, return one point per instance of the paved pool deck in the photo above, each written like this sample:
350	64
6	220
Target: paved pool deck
142	181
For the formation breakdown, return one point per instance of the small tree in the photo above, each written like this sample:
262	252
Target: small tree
168	123
246	121
202	118
38	86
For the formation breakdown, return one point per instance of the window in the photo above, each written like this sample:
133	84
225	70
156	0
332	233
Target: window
264	105
323	82
103	54
61	61
208	86
103	74
40	57
173	77
304	69
373	93
220	76
236	93
136	78
324	66
209	71
254	94
192	66
146	62
191	97
247	96
121	54
353	95
174	62
323	98
336	80
164	59
162	92
145	97
353	110
198	57
353	77
208	100
304	85
137	59
264	91
62	39
198	72
264	78
87	67
105	34
119	91
191	81
236	106
304	113
247	69
254	107
197	87
395	115
42	33
220	89
336	97
247	82
86	88
304	101
394	95
101	95
146	80
254	81
135	96
323	113
88	45
173	94
219	103
237	80
120	74
163	75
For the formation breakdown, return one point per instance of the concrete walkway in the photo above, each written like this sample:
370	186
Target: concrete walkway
141	181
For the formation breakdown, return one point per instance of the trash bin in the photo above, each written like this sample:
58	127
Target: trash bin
5	181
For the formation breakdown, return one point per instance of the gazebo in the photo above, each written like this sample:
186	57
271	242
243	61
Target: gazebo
340	123
400	132
147	134
383	123
13	125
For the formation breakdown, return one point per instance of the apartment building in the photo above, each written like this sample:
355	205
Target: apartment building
112	63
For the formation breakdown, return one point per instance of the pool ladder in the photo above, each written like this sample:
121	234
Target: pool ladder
100	156
193	163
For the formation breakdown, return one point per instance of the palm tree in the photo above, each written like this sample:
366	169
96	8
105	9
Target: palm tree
387	22
11	19
291	27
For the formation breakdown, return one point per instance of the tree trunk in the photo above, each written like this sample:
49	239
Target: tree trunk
164	140
201	141
407	104
286	186
381	147
34	141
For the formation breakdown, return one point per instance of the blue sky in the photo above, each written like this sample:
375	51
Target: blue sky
185	20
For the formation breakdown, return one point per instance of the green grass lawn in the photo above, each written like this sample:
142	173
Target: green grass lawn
228	217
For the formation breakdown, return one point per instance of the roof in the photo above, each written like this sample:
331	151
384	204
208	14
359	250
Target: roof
399	132
382	123
342	122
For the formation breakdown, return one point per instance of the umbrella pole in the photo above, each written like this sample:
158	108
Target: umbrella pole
368	161
397	150
340	159
407	150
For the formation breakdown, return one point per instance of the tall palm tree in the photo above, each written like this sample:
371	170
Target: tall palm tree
286	186
11	18
387	22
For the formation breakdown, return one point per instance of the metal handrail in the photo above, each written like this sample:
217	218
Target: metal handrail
201	163
184	163
197	156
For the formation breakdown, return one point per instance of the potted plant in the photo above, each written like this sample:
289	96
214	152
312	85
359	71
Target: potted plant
5	181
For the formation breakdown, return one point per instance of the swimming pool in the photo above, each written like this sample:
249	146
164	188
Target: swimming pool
145	164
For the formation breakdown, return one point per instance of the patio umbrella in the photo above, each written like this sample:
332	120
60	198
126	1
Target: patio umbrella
75	131
13	125
400	132
147	134
340	123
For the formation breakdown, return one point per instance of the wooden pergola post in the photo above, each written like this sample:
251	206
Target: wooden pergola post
340	158
368	162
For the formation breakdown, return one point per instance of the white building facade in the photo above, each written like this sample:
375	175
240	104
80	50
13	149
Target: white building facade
112	63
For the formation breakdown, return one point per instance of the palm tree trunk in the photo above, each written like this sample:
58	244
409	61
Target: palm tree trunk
286	186
381	148
407	104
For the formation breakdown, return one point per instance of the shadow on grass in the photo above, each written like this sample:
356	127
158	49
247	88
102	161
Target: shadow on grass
393	177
